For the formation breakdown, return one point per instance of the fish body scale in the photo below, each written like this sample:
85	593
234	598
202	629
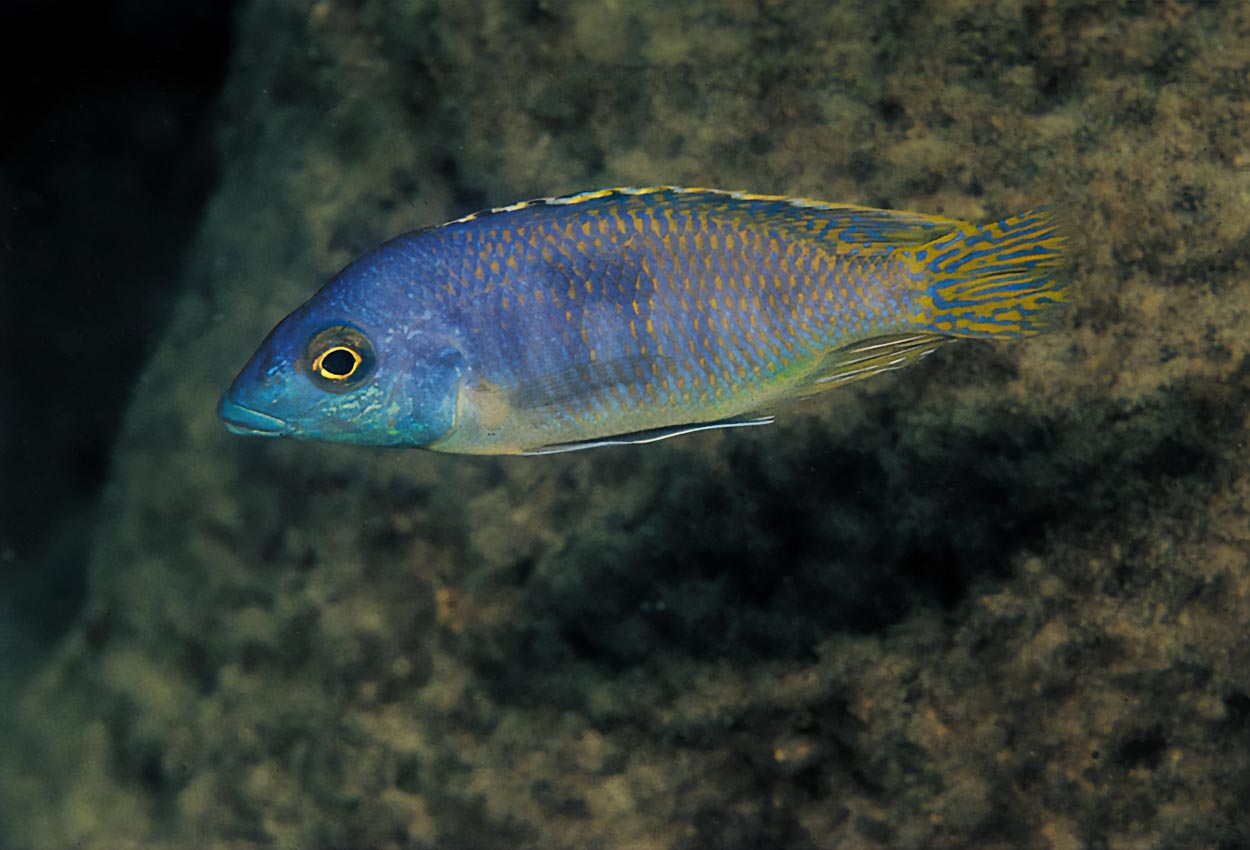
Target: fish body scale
629	315
702	309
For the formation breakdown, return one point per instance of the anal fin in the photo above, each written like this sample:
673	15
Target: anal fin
870	357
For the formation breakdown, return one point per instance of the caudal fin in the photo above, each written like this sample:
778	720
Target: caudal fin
999	280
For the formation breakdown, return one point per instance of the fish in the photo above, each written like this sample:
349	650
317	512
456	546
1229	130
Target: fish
630	315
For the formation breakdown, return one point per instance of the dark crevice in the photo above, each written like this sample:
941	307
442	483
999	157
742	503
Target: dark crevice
105	162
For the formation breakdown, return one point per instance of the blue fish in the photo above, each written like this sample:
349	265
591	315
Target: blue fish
630	315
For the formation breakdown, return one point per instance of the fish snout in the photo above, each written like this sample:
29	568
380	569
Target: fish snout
240	419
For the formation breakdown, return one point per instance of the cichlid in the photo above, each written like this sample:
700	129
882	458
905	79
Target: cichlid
630	315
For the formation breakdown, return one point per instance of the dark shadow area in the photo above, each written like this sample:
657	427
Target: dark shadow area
850	534
106	160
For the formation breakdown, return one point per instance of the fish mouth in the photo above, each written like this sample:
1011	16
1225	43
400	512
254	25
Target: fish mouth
245	420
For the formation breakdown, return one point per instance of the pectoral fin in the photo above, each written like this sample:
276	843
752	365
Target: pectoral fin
585	379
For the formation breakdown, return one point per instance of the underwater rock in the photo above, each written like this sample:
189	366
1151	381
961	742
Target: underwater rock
997	600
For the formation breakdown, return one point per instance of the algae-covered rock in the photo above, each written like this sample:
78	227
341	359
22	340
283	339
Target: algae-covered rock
998	600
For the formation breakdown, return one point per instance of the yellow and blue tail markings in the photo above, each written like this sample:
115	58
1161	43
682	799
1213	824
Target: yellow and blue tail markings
998	280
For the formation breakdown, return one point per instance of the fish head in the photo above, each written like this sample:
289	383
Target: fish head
350	371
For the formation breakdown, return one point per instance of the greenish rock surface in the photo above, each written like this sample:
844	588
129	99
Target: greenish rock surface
999	600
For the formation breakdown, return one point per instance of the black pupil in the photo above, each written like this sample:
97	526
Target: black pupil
339	363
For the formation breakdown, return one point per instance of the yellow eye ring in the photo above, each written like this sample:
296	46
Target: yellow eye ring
332	365
338	358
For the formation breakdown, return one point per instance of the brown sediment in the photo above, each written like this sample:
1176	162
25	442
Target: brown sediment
998	600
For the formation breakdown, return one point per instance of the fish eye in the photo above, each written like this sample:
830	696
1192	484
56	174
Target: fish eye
337	364
339	358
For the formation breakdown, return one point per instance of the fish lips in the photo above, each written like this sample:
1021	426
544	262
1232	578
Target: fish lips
240	419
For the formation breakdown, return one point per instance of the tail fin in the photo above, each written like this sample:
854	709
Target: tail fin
999	280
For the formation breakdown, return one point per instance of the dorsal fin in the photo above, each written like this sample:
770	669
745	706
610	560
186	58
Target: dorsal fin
849	226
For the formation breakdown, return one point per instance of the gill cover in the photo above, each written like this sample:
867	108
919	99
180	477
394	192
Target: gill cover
343	382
